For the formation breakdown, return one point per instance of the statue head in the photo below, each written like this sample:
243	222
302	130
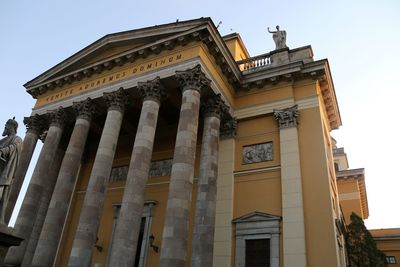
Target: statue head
277	27
10	127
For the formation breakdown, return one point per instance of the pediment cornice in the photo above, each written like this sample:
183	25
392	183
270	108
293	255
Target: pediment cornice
256	216
173	35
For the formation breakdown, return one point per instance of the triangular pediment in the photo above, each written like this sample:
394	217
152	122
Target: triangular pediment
115	44
256	216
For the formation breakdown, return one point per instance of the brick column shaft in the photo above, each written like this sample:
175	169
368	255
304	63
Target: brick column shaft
57	212
39	182
203	231
222	255
127	231
176	226
86	233
44	205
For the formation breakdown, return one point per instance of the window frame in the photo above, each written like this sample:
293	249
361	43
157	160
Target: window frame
257	225
147	214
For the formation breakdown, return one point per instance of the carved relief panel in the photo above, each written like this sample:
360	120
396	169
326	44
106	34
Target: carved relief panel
257	153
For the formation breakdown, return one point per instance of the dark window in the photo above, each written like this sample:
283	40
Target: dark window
391	259
257	253
140	240
336	166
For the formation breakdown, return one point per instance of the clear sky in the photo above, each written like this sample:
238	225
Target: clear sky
360	38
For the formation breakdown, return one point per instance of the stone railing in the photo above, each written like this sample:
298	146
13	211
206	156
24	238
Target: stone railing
337	151
253	63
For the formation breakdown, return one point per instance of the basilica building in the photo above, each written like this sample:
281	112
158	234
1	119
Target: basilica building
171	146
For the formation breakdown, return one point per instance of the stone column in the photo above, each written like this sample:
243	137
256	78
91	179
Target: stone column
294	243
204	222
126	233
56	214
43	206
39	182
34	125
225	188
86	233
176	226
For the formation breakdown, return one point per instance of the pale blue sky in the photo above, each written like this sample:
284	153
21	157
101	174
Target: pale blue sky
360	39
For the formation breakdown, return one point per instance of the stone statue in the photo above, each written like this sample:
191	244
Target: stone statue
279	38
10	149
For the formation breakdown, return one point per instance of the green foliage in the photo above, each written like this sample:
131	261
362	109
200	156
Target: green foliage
361	247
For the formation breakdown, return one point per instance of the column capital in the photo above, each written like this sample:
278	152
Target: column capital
214	106
58	117
192	79
85	109
152	90
116	100
228	128
287	117
35	124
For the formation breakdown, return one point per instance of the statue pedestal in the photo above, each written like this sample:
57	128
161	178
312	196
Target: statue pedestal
7	239
280	57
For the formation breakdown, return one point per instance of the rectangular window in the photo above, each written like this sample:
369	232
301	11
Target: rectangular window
257	253
391	259
140	241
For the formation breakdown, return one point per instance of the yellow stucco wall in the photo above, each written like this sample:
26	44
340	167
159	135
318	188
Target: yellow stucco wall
350	199
317	197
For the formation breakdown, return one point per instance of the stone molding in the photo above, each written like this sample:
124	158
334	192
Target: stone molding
287	117
58	117
84	109
35	124
257	225
116	100
192	79
228	128
152	90
214	106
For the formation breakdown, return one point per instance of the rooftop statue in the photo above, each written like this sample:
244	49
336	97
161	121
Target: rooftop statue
10	150
279	38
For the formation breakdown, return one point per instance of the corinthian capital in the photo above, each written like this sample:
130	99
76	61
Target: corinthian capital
58	117
84	109
152	90
192	79
228	128
116	100
214	106
286	117
35	124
